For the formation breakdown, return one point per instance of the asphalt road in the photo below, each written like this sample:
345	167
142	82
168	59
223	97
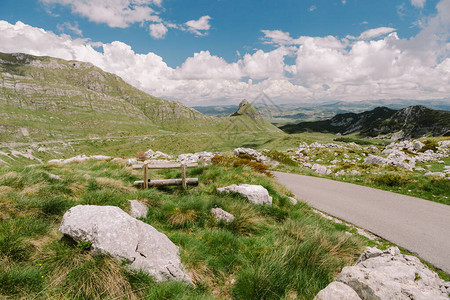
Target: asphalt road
418	225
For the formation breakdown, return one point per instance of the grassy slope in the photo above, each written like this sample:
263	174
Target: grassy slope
269	252
58	99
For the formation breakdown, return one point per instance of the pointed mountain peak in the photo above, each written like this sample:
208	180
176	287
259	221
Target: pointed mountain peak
245	108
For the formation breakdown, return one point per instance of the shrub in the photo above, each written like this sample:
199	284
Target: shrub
391	179
237	162
280	157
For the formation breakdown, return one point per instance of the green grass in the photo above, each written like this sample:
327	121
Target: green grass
281	250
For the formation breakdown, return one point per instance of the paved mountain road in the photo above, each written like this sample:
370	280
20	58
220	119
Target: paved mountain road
418	225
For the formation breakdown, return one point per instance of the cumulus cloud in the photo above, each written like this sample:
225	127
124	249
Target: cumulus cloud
377	65
67	26
418	3
114	13
200	26
375	32
158	30
123	13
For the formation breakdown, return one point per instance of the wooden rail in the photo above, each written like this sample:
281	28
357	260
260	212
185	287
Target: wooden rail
165	182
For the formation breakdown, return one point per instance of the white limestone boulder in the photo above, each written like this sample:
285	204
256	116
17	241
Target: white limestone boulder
391	275
220	215
113	232
337	291
138	209
256	194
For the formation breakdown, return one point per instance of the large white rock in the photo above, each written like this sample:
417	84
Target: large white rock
113	232
256	194
337	291
391	275
138	209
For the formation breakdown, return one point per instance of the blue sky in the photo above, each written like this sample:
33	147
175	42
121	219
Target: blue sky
216	51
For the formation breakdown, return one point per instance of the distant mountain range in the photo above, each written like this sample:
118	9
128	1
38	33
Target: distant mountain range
45	98
410	122
281	114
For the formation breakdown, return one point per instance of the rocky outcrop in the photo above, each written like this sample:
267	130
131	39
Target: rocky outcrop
113	232
222	215
256	194
388	274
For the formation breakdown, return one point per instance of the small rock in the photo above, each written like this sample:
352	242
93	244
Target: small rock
373	149
293	200
220	214
256	194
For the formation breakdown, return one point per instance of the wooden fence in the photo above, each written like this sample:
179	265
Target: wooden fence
146	183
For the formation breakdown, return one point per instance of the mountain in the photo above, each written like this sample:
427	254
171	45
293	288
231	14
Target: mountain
247	109
45	98
410	122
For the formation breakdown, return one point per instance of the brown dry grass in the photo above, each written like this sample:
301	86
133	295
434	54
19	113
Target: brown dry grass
113	183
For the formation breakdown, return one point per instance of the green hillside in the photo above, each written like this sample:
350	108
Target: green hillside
44	98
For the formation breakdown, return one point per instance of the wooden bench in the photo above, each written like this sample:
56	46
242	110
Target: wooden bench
146	183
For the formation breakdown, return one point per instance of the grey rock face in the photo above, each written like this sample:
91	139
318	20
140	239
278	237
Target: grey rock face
220	214
388	274
138	209
337	291
112	231
256	194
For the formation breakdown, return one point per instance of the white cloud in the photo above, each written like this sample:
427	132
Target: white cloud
374	66
200	26
375	32
158	30
418	3
68	26
344	2
312	8
114	13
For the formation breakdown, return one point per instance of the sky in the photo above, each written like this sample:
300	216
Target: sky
212	52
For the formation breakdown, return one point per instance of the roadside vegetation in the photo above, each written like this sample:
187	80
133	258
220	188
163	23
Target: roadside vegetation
386	177
267	252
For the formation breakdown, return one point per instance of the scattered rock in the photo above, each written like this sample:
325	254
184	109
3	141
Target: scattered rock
256	194
319	169
220	214
156	155
373	149
253	153
113	232
293	200
188	158
53	176
391	275
79	158
138	209
337	291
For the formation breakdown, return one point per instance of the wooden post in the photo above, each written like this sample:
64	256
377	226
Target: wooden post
145	176
183	176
